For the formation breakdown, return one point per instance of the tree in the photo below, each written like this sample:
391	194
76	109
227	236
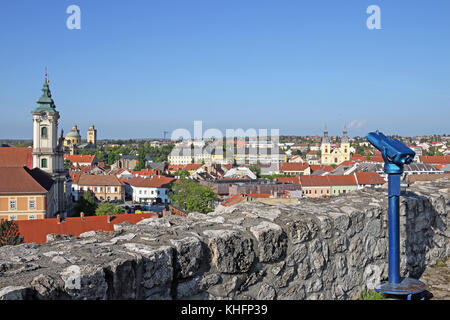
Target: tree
67	164
191	196
104	209
9	233
183	174
256	170
86	205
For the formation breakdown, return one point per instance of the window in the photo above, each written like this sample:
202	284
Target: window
115	189
32	204
12	205
43	163
44	132
12	218
32	217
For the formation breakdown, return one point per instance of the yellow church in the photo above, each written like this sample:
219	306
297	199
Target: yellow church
335	155
72	140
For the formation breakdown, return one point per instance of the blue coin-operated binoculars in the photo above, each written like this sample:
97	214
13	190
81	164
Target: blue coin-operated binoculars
395	155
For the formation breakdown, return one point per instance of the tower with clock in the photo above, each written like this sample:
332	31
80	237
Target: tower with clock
48	149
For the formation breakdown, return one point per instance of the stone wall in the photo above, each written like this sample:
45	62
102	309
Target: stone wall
318	249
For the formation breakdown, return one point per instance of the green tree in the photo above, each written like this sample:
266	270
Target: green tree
104	209
183	174
67	164
86	204
256	170
191	196
9	233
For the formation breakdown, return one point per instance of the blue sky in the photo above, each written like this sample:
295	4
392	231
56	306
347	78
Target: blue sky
137	68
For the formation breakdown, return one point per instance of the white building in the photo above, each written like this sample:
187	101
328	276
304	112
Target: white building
150	190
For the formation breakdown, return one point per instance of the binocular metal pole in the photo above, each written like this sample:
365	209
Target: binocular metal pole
394	227
396	284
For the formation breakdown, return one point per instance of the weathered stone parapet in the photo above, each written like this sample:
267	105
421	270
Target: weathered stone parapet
318	249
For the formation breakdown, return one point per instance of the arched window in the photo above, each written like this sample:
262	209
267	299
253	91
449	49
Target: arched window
43	163
44	132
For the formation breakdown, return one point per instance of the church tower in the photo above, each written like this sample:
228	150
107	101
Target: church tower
92	136
345	145
325	148
48	148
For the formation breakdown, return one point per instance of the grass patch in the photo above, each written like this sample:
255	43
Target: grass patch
441	264
371	295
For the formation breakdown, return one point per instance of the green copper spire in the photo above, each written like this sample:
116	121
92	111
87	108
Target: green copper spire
45	102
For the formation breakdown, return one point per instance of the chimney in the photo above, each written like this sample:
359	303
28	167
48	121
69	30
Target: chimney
164	212
58	219
108	219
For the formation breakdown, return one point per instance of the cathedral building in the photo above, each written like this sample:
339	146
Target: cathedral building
92	136
72	140
334	155
48	148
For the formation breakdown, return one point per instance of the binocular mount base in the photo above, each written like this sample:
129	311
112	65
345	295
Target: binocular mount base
406	286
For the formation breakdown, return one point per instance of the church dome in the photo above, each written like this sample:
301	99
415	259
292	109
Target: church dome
75	133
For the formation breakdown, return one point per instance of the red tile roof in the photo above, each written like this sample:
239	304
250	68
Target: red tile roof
370	178
79	158
257	195
295	180
348	163
328	180
293	166
98	180
192	166
435	159
145	172
314	181
23	180
342	180
358	157
376	158
175	167
16	157
151	182
37	230
326	168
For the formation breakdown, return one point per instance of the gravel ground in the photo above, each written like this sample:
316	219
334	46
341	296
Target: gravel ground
437	280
